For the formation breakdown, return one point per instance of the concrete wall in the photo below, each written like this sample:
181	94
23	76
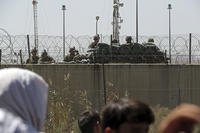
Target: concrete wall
167	85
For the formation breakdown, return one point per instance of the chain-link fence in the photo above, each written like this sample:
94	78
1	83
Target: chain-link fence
10	46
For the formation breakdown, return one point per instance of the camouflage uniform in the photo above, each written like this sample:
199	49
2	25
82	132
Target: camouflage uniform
150	44
34	58
45	58
95	43
125	50
152	52
72	53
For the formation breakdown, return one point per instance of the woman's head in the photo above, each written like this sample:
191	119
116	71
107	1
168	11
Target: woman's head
24	94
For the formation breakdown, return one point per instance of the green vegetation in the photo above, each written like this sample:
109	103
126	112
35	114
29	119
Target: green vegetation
65	105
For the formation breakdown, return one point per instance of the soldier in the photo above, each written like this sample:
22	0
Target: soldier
129	40
95	43
45	58
125	50
34	58
137	52
92	48
72	53
150	43
151	51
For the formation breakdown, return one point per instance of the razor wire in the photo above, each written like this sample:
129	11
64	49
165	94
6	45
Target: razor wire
6	46
11	45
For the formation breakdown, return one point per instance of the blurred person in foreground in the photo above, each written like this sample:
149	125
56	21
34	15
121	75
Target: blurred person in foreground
181	120
127	116
23	101
90	122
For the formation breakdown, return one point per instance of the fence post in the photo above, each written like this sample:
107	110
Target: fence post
29	51
0	56
111	39
190	47
20	54
166	60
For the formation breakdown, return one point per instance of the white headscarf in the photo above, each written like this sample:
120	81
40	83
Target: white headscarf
13	124
24	94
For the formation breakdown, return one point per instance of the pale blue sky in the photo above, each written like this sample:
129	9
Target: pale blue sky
16	16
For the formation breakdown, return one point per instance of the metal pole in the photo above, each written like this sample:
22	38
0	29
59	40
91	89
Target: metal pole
96	27
34	2
97	19
20	54
136	21
111	39
170	56
0	56
29	51
190	49
166	56
101	38
63	8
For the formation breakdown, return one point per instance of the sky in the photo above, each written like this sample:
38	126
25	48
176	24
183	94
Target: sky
16	17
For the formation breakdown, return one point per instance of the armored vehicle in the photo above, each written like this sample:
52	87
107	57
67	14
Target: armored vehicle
127	53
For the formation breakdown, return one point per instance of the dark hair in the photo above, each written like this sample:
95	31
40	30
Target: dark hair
125	110
88	120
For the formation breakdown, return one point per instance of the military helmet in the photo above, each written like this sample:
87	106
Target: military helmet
96	37
128	39
72	49
151	40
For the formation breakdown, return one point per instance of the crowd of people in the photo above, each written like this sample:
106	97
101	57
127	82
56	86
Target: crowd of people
23	107
131	116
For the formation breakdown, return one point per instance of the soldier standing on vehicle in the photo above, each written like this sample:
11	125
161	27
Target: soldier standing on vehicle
95	43
152	52
125	50
151	44
129	40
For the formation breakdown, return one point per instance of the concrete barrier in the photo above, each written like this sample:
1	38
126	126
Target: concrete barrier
167	85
